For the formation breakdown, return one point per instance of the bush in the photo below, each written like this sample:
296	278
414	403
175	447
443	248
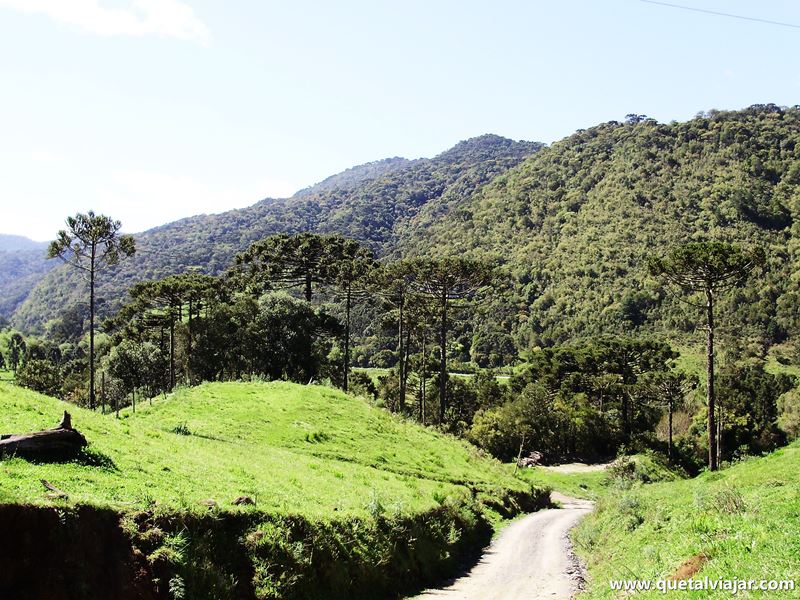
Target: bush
361	384
41	376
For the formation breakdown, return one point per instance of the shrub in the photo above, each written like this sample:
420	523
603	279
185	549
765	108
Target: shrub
41	376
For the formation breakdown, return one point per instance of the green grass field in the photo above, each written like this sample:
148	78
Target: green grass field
295	449
588	485
743	522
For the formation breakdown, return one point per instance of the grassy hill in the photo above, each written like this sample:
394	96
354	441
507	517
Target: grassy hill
743	522
350	501
294	449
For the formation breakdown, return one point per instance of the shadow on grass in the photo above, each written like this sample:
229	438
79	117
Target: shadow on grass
87	457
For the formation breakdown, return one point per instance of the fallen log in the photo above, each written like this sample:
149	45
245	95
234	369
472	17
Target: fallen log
60	443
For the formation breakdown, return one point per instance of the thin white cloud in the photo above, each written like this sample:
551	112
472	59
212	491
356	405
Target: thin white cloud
165	18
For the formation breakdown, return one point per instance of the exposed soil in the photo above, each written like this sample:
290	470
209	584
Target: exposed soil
72	554
690	567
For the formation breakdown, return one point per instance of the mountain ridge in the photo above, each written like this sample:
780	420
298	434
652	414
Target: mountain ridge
373	203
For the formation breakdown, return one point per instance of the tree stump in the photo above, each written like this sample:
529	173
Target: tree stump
60	443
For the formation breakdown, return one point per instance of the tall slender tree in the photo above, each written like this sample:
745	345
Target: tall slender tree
448	282
394	285
669	390
91	243
709	268
347	264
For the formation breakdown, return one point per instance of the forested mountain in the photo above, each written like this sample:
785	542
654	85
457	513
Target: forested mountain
375	203
571	225
15	243
23	263
574	224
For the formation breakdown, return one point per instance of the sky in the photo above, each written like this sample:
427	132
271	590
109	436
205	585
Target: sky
155	110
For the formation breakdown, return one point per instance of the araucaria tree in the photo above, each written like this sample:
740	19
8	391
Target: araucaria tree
447	281
346	265
709	268
284	261
91	243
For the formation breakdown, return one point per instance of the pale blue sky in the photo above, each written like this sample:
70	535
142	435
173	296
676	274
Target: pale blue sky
152	110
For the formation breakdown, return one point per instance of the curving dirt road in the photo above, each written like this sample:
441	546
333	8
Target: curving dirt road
530	560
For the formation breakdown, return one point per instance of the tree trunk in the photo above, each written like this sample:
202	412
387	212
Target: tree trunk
719	434
519	454
626	424
91	329
347	335
424	382
401	365
189	346
52	444
172	352
712	426
443	360
404	378
308	287
669	441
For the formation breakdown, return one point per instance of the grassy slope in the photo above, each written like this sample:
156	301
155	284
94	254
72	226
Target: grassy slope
591	485
746	519
297	449
588	485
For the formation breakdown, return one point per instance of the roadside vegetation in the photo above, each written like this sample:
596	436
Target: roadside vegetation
740	522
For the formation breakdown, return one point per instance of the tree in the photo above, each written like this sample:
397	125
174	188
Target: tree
394	285
16	351
749	396
287	339
709	268
284	261
447	281
91	243
669	388
136	365
162	304
40	375
346	264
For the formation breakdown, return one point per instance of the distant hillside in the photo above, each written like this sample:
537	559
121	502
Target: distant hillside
13	243
351	178
23	264
375	203
574	224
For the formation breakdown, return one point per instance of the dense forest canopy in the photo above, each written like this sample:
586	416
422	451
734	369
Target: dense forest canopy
574	223
23	264
569	225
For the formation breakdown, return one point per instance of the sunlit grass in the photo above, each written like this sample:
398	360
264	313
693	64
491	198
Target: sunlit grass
745	520
294	449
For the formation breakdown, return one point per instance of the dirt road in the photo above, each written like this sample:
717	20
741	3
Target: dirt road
531	560
577	468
